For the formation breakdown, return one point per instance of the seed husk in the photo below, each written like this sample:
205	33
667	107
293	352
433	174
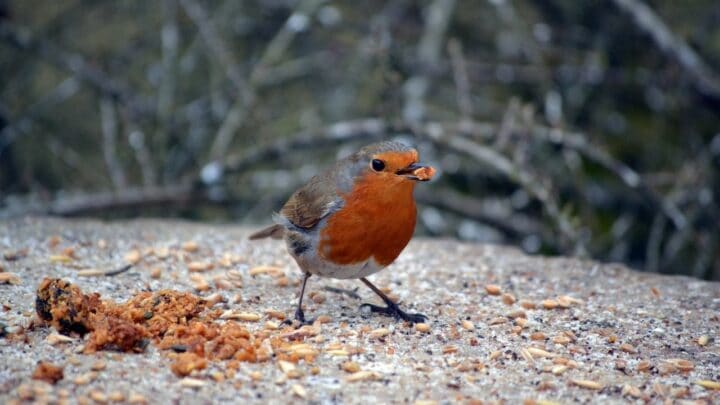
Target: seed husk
467	325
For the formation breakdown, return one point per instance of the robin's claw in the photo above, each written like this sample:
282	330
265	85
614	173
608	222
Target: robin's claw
394	311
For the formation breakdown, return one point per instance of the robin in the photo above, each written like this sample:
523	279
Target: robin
354	219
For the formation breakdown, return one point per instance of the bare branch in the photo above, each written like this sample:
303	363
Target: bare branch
21	39
108	121
460	75
703	77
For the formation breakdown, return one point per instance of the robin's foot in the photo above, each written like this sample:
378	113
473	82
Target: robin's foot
299	319
392	309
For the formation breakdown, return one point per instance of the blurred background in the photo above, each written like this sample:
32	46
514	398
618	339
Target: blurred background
585	128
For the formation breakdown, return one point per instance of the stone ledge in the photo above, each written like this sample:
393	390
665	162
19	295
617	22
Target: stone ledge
622	333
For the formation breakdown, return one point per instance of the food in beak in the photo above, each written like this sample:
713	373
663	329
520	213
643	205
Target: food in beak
417	172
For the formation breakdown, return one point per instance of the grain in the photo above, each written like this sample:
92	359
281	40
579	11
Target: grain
199	282
628	348
99	365
363	376
703	340
493	289
60	259
9	278
299	390
498	320
56	338
133	257
379	333
116	396
561	340
549	304
537	336
540	352
84	379
190	246
592	385
527	356
422	327
508	299
242	316
527	304
467	325
189	382
682	364
271	270
90	273
350	367
559	369
98	396
199	266
135	398
631	390
286	366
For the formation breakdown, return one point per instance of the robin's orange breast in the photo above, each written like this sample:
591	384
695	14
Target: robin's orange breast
377	221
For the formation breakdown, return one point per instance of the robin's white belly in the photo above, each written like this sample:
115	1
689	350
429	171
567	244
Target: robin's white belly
320	267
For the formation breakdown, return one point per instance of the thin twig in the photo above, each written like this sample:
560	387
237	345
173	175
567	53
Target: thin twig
108	121
460	76
704	78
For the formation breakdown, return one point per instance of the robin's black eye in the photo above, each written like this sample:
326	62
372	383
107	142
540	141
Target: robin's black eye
377	165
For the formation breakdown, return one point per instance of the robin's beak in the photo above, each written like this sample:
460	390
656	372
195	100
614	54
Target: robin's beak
416	172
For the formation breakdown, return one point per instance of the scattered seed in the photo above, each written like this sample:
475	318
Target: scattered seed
540	352
60	259
682	365
708	384
495	355
286	366
272	325
559	369
703	340
422	327
299	390
318	298
508	299
155	273
550	304
628	348
521	322
527	356
133	257
632	391
243	316
116	396
190	382
199	282
449	349
98	396
323	319
190	246
561	340
379	333
271	270
135	398
527	304
9	278
338	352
55	338
425	402
199	266
537	336
90	273
85	379
643	365
467	325
363	376
98	365
497	320
592	385
350	367
493	289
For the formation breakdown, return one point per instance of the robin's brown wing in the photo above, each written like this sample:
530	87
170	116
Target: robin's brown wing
312	202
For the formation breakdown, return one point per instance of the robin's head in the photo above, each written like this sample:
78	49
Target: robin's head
392	162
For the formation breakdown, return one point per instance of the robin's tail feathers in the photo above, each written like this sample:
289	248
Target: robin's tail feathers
274	231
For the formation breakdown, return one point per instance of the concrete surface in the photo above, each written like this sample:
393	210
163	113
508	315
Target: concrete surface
624	336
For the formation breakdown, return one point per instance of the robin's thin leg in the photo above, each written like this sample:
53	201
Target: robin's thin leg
299	314
392	308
